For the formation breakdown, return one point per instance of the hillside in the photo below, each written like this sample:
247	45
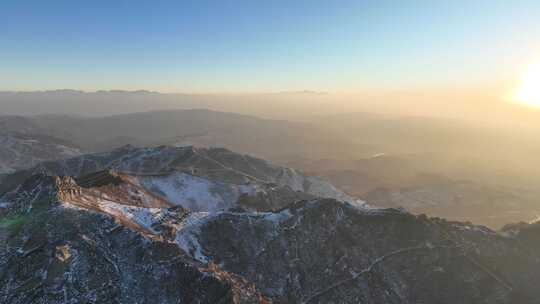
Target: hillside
109	240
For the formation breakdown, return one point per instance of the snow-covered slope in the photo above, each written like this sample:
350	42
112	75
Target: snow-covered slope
196	193
198	179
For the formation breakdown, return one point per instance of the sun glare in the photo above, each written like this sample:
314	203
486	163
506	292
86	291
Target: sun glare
529	91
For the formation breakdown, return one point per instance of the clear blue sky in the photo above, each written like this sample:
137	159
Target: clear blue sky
256	45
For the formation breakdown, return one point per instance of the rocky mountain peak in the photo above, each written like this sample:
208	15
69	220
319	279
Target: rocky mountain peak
121	232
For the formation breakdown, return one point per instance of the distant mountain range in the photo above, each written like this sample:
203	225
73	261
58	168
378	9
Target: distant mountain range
280	105
268	138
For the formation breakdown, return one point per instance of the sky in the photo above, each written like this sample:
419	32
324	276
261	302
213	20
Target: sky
266	46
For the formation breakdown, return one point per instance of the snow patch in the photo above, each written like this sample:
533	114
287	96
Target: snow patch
315	186
195	193
187	237
322	188
4	204
277	217
142	217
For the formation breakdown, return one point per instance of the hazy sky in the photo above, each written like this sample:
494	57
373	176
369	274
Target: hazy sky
183	46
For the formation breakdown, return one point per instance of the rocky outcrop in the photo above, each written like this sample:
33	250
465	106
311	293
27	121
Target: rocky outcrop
55	253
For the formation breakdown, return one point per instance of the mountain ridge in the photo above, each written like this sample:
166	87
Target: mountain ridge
369	255
205	179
